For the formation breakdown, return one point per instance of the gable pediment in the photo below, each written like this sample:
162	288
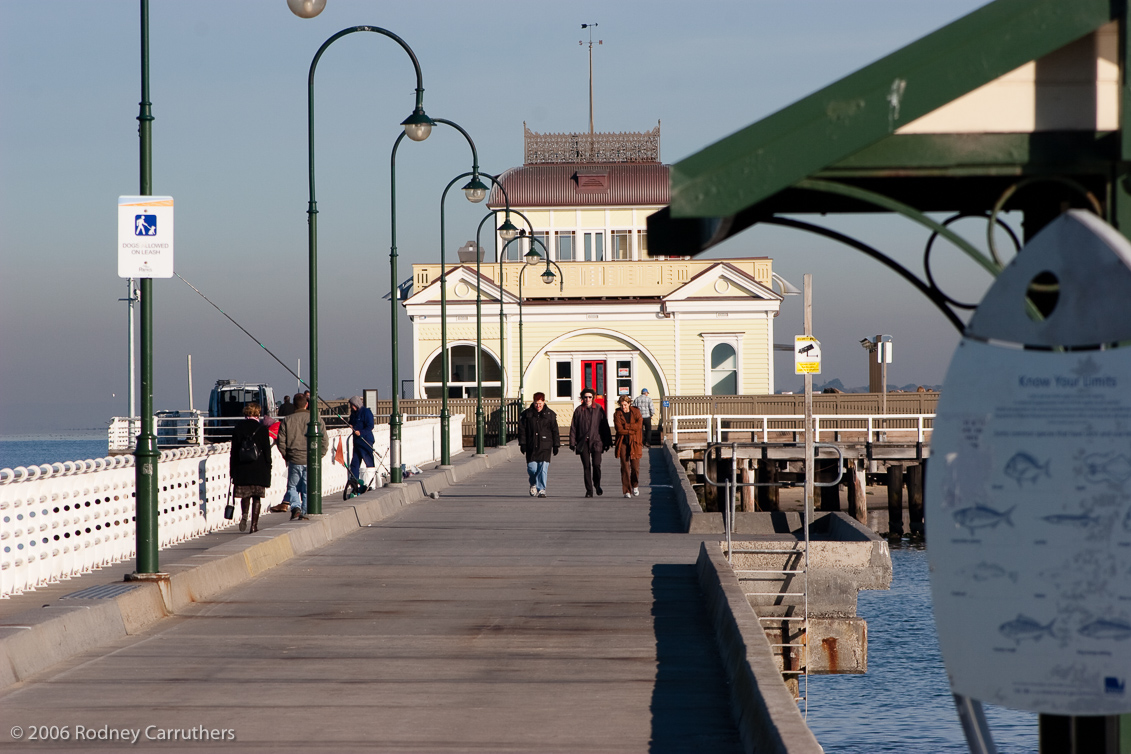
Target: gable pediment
722	281
461	281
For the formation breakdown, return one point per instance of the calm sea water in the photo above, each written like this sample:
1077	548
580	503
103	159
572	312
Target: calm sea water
30	450
903	703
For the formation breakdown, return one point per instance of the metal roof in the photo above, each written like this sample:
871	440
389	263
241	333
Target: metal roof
584	185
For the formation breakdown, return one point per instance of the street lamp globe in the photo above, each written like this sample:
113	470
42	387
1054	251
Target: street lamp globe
548	276
475	190
508	231
306	8
532	256
418	125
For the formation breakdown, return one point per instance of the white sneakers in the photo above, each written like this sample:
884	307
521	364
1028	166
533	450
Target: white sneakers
533	491
628	494
541	493
636	491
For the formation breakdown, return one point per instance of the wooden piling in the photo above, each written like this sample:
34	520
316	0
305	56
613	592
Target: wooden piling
768	496
895	500
747	501
826	472
857	493
915	500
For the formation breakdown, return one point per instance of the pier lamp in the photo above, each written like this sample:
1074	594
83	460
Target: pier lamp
417	126
508	232
480	421
532	258
475	191
146	455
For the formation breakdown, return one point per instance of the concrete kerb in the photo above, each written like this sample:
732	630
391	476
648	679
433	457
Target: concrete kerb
766	713
32	641
695	519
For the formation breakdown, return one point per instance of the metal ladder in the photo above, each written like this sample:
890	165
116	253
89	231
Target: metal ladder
794	646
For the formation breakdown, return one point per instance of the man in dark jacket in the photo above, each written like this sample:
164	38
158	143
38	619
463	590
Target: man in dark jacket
538	438
589	437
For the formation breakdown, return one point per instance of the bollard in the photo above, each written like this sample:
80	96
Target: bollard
915	500
895	501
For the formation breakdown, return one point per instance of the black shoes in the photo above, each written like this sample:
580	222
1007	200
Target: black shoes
600	491
588	494
296	513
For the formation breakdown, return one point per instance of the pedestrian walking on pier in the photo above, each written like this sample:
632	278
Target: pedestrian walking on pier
361	421
647	409
629	444
589	437
292	444
538	439
249	464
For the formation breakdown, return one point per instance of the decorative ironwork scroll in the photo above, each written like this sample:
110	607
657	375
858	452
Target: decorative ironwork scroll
573	148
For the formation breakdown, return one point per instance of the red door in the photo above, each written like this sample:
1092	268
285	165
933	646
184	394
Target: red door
593	377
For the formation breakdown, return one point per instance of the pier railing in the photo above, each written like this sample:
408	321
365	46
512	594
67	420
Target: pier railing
715	428
64	519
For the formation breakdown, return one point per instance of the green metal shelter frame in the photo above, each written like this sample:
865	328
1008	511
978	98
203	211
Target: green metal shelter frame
836	151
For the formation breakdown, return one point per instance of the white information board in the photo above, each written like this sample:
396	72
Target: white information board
145	236
806	355
1029	504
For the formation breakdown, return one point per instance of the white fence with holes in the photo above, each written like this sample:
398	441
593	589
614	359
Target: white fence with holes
849	427
64	519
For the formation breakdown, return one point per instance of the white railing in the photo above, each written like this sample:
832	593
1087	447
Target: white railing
64	519
871	426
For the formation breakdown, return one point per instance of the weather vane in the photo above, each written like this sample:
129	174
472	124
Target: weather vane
590	27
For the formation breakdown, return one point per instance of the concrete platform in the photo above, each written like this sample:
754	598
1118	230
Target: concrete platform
485	620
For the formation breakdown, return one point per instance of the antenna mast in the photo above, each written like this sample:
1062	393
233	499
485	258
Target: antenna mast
590	27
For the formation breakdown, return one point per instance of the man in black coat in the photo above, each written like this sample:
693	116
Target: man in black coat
589	437
538	438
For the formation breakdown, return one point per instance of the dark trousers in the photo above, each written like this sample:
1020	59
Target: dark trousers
648	430
591	465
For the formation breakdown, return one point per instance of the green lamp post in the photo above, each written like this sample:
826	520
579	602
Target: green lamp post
146	454
475	191
532	257
417	126
480	421
508	232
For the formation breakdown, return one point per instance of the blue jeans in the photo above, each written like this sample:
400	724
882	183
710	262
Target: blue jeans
296	486
537	470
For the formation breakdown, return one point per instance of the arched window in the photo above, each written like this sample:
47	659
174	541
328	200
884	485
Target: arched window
461	378
724	370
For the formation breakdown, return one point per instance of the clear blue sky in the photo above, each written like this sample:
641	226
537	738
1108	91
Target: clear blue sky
228	86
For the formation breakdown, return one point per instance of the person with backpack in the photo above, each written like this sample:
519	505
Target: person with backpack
249	465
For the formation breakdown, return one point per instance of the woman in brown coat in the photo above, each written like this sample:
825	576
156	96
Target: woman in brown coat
629	444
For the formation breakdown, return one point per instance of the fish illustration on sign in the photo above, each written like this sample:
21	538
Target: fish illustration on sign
1079	520
1023	627
1086	367
1025	468
987	571
981	516
1107	467
1106	629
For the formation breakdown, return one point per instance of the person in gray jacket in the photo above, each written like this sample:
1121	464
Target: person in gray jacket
647	409
292	444
589	437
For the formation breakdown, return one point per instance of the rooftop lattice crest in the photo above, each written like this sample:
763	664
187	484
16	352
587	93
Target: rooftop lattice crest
573	148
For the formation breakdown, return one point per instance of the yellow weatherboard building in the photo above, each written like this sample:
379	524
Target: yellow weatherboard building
600	312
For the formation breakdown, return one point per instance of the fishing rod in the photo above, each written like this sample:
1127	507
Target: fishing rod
284	366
